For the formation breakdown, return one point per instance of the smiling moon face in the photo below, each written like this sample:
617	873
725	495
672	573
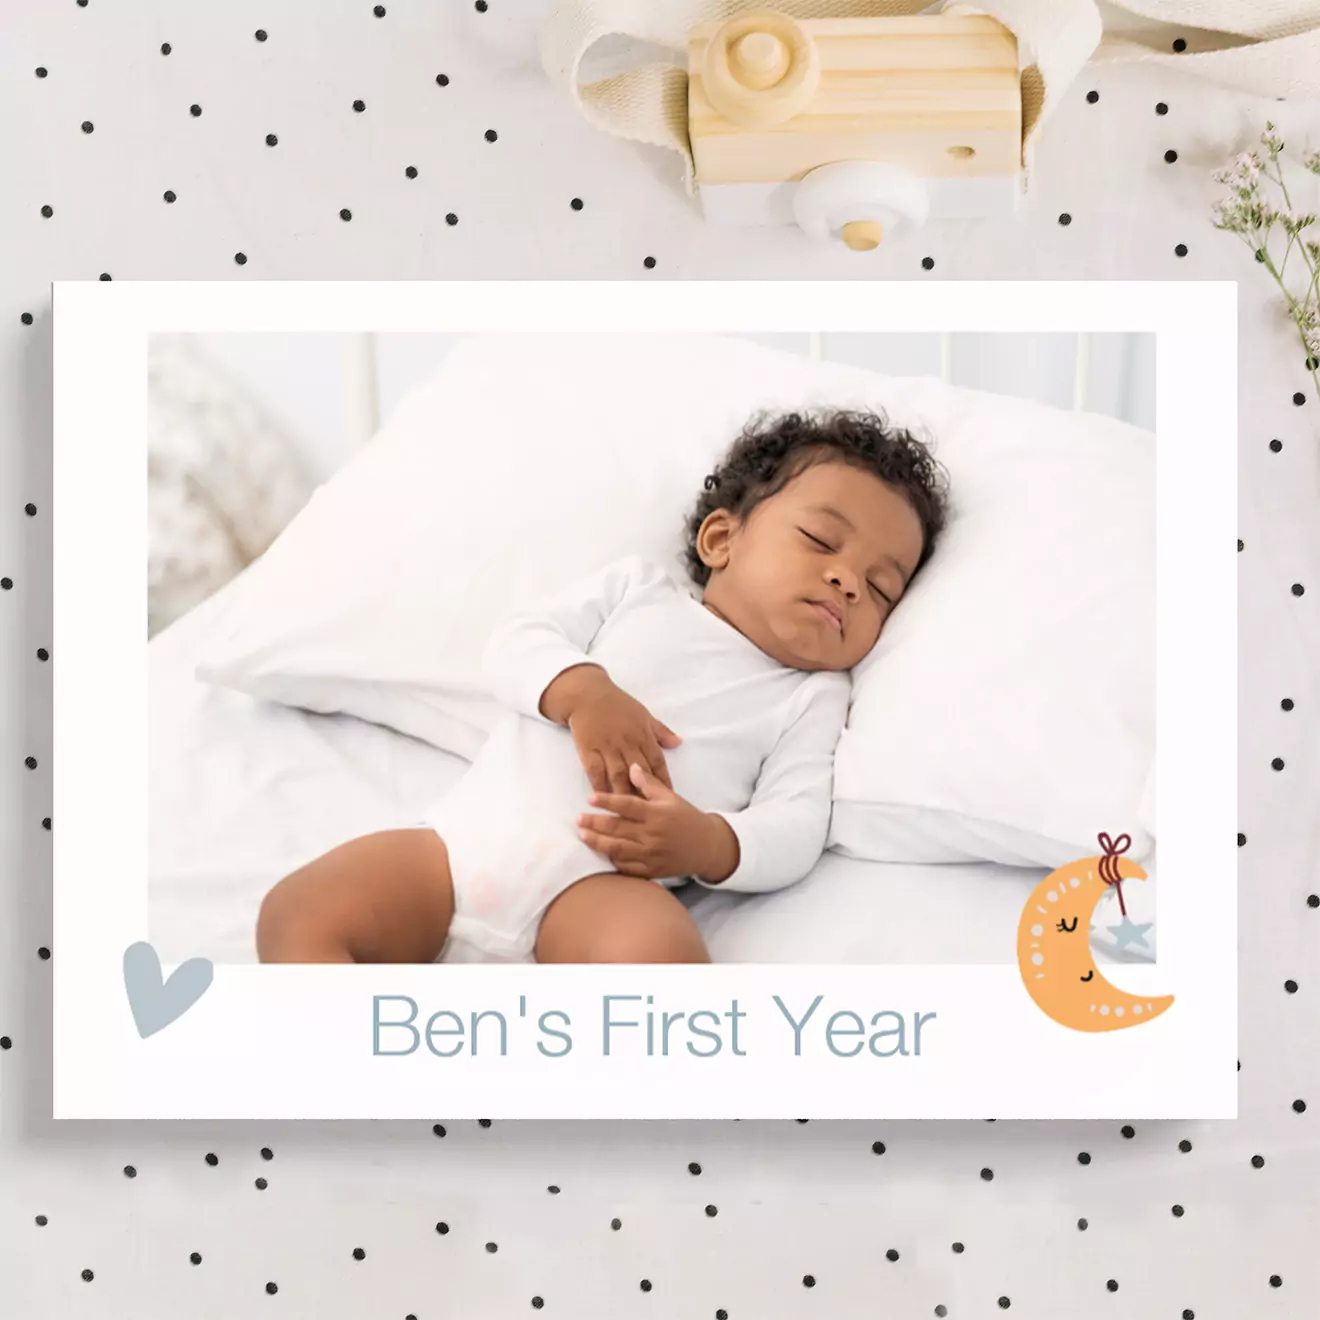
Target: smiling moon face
1054	950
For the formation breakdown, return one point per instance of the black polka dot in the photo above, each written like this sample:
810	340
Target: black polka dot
1161	108
30	762
359	106
694	1169
410	172
30	510
553	1190
1180	250
1275	1281
1065	219
941	1310
483	1122
492	1247
481	6
26	318
1004	1303
987	1174
88	1276
891	1254
240	258
42	1221
1242	838
260	34
1275	446
878	1147
271	140
43	953
6	584
1299	1106
537	1303
195	1257
808	1280
1083	1157
379	11
1082	1225
1170	155
1313	900
1092	97
645	1285
1128	1132
170	196
491	135
129	1171
45	822
1179	44
166	48
1287	703
47	211
88	126
1184	1145
261	1184
1298	589
345	214
958	1248
359	1254
1178	1211
6	1043
1240	547
451	219
267	1153
1290	987
711	1211
616	1224
272	1288
103	276
1258	1161
576	203
442	1228
40	71
1188	1314
442	79
195	110
1277	763
213	1160
649	263
1112	1285
928	263
1299	398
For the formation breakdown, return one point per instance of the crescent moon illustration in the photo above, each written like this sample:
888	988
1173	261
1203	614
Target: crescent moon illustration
1054	946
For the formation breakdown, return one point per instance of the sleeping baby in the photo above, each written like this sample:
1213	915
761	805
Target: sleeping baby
651	738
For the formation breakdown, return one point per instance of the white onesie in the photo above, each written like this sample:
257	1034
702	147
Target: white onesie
758	749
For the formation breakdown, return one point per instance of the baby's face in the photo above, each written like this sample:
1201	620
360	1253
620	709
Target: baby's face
834	536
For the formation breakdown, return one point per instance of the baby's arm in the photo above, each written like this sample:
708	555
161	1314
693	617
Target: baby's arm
779	836
526	653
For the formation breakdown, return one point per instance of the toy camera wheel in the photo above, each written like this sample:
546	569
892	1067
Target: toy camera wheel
860	201
760	69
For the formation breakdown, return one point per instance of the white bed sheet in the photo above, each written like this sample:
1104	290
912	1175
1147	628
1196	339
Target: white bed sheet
243	791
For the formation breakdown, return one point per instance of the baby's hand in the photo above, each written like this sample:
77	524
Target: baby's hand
611	731
659	833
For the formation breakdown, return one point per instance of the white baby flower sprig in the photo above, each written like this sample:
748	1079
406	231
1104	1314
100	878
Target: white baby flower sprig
1247	212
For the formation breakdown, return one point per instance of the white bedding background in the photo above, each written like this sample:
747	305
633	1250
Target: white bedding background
1215	1220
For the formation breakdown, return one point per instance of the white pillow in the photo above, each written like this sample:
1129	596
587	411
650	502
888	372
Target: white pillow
528	460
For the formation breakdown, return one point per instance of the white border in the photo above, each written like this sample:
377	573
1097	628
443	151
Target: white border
287	1042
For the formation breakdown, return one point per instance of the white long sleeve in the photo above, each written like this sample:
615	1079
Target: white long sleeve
527	652
783	830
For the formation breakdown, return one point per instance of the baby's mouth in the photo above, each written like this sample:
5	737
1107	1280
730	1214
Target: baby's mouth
828	615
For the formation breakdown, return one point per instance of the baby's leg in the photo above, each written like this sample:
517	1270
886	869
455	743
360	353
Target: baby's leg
381	898
613	918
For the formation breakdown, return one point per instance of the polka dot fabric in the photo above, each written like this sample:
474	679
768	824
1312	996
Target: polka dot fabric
410	140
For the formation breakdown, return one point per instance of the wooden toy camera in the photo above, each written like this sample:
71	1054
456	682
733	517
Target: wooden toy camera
854	126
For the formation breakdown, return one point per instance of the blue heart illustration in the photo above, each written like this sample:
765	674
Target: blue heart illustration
156	1002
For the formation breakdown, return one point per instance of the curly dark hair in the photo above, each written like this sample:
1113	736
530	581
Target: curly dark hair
772	450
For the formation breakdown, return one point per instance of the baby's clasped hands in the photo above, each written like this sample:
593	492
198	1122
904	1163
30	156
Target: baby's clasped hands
659	833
